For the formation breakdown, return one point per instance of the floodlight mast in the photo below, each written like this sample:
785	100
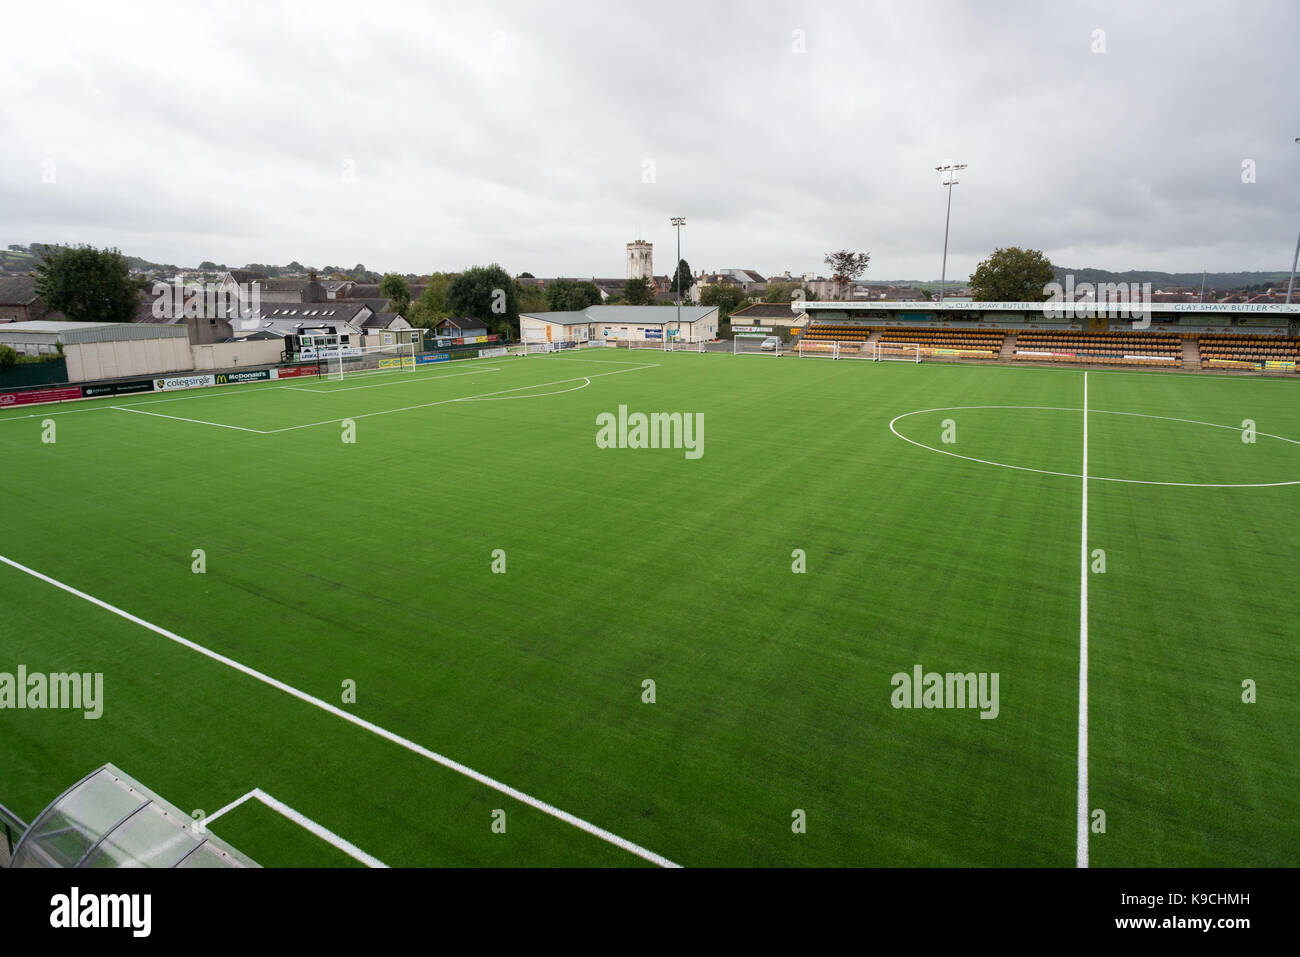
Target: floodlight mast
1294	259
947	169
678	222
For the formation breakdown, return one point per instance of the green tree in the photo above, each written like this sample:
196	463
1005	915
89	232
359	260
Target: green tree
486	293
208	266
8	357
785	292
567	295
846	266
431	307
638	292
88	284
1012	275
395	289
726	297
684	277
532	298
526	275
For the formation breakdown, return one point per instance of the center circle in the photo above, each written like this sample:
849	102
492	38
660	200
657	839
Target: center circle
1079	475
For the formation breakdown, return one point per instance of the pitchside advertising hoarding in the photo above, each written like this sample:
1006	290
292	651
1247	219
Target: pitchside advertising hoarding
38	396
433	357
765	330
117	388
232	378
294	372
182	382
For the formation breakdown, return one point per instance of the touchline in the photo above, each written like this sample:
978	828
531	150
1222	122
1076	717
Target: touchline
54	691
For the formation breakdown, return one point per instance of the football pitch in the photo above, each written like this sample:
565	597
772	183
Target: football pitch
429	612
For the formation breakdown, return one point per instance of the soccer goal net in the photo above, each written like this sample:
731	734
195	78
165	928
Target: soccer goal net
536	346
896	352
684	345
747	344
344	362
815	349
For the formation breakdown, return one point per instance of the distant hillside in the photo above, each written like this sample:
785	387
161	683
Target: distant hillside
1213	280
1158	280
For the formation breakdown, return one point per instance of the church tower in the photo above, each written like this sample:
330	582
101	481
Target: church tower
640	260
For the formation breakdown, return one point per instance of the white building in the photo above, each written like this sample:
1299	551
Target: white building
613	323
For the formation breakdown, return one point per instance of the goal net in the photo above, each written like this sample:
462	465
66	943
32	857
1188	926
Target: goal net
343	362
896	352
536	346
747	344
684	345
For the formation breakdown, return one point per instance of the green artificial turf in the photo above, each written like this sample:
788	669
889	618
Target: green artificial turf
372	562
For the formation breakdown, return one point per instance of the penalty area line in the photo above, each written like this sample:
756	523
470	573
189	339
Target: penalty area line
599	832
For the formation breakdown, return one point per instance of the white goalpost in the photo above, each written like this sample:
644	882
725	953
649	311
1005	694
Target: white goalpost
342	362
814	349
896	352
755	344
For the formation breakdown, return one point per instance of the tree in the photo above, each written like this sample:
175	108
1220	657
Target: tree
638	292
846	266
526	275
15	248
685	279
567	295
88	284
295	266
208	266
726	297
394	288
532	298
785	292
431	307
1012	275
486	293
8	357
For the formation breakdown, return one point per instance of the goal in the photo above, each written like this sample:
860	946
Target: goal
535	346
816	349
896	352
755	344
343	362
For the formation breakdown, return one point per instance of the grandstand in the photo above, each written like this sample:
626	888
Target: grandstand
1247	352
1101	348
1227	337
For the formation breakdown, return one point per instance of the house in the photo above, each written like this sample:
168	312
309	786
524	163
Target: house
611	323
19	301
458	328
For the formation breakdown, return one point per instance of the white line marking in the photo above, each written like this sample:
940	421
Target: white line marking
177	418
302	820
506	398
565	816
466	398
1081	848
384	385
1095	478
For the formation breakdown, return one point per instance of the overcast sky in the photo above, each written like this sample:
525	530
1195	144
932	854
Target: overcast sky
545	136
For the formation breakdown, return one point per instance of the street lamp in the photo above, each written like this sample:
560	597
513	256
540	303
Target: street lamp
678	222
949	180
1294	260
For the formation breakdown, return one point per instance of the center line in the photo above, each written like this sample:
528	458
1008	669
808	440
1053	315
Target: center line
1081	851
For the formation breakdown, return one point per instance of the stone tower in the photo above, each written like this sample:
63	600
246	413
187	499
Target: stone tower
640	260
